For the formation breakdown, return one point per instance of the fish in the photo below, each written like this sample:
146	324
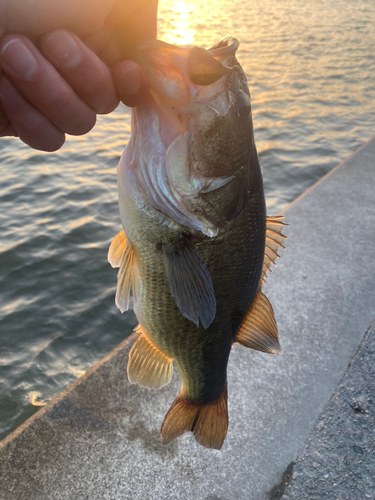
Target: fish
196	244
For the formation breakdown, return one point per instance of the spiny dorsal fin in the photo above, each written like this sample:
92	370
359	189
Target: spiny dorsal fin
148	366
258	329
127	279
274	240
117	249
208	423
190	282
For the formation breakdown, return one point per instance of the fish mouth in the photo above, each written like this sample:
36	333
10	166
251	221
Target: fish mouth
226	47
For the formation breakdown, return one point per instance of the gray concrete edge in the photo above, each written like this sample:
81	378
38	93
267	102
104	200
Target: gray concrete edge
81	380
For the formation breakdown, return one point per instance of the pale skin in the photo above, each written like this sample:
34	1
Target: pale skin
64	62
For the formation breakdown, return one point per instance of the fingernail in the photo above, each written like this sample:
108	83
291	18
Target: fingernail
130	78
17	57
64	48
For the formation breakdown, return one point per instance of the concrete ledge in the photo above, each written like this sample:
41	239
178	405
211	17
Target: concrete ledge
100	438
339	458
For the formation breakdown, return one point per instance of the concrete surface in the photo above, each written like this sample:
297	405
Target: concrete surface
339	459
100	438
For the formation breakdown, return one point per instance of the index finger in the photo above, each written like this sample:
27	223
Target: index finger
43	87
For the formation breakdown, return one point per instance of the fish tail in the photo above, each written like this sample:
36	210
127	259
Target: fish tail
208	423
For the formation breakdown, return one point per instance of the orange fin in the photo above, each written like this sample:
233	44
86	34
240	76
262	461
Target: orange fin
127	279
258	329
148	366
117	249
274	240
208	423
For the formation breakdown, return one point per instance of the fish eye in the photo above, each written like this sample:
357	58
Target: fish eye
203	69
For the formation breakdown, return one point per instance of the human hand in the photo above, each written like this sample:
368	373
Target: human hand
60	85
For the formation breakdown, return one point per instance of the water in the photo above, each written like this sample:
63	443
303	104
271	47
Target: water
311	70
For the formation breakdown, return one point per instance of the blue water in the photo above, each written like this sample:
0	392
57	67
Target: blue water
310	67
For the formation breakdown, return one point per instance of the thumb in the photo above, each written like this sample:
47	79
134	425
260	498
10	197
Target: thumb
35	17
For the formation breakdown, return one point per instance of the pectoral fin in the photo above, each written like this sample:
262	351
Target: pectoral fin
258	329
190	282
117	249
148	366
274	240
127	278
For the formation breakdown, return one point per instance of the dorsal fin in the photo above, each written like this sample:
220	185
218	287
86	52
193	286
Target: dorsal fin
189	282
127	278
274	240
148	366
258	329
117	249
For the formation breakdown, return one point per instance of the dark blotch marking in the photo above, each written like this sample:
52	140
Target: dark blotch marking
357	408
278	490
151	441
214	497
79	417
358	449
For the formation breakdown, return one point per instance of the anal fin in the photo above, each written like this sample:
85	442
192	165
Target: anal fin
148	366
258	329
208	423
190	282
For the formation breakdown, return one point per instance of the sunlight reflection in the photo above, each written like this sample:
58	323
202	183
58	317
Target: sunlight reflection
77	372
180	20
34	397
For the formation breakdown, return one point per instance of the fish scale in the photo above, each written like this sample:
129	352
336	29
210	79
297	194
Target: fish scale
235	261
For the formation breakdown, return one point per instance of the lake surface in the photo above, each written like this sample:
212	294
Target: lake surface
311	71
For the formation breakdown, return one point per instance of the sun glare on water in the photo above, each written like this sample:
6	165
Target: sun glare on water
178	18
200	22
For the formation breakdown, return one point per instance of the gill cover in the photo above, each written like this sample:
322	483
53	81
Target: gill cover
192	141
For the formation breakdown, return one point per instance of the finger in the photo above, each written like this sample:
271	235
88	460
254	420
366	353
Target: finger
131	82
105	46
28	123
85	72
6	128
40	83
140	20
118	43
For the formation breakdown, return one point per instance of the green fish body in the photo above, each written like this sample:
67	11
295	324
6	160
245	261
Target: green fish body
196	244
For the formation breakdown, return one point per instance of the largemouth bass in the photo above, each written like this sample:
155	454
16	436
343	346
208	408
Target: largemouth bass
196	243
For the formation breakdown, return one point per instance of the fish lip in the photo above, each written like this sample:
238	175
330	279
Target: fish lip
231	46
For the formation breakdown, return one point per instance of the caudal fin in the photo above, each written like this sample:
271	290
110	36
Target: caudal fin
208	423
